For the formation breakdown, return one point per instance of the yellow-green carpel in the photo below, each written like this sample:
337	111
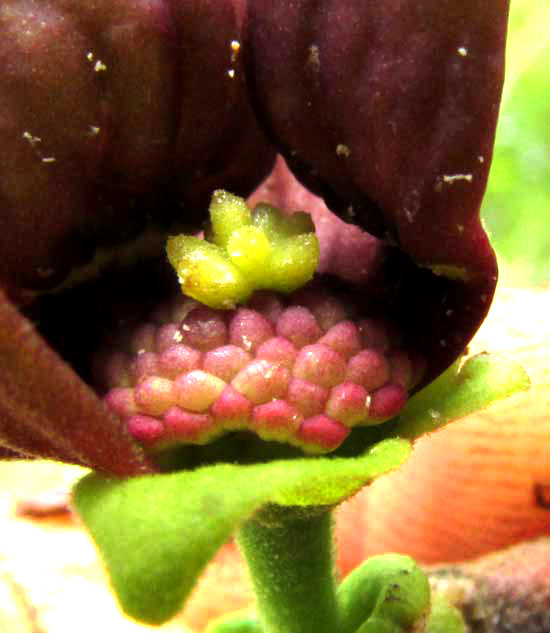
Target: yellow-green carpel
248	251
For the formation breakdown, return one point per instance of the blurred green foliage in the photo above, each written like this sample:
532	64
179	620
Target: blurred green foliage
516	209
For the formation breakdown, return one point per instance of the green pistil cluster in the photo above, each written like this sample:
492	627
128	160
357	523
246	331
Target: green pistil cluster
244	251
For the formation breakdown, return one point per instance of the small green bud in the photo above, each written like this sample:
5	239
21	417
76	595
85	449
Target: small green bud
268	218
285	274
278	226
249	251
227	214
205	273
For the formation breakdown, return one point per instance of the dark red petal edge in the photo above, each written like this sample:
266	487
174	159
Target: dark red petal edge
47	411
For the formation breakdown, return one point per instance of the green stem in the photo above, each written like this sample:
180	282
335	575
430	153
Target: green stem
289	553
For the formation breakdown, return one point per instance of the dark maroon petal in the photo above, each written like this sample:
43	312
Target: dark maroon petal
47	411
382	106
389	112
117	113
219	144
114	113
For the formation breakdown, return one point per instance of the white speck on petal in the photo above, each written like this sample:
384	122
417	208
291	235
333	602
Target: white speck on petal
33	140
462	51
90	56
99	66
451	178
409	215
231	72
314	60
49	159
235	46
343	150
93	130
481	159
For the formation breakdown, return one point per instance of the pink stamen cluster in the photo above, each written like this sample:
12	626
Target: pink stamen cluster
300	372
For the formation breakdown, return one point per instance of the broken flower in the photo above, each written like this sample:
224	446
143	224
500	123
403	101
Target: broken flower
120	118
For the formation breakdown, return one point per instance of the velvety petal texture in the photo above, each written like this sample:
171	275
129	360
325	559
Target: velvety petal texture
380	109
119	117
47	410
114	113
113	116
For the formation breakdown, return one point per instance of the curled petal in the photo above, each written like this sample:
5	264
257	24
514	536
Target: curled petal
46	410
390	115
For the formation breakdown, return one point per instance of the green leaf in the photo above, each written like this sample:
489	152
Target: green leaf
461	390
156	533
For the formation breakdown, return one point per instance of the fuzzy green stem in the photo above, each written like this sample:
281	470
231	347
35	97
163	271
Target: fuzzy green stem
290	559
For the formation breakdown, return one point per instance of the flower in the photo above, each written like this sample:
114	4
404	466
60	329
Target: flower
121	117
